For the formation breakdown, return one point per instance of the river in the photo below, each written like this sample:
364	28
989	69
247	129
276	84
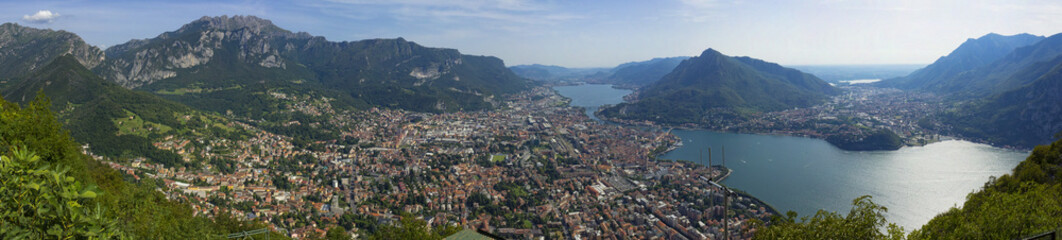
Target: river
806	174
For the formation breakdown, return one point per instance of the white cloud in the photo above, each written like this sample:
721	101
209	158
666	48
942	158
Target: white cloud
42	16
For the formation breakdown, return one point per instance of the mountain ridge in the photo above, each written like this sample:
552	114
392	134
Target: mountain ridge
25	49
715	82
376	72
943	75
94	110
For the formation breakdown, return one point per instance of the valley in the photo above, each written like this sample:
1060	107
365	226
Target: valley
539	157
227	126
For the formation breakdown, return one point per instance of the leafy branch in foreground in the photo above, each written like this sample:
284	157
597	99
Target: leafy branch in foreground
38	200
864	221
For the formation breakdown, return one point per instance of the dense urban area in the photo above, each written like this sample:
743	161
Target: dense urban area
538	167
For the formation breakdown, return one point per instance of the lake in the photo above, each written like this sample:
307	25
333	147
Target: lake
592	96
805	174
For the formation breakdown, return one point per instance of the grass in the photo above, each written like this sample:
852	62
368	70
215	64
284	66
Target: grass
132	124
183	91
180	91
497	157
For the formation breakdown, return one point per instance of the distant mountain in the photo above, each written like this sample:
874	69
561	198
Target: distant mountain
1015	70
628	75
230	64
715	83
639	74
1008	86
947	74
1023	117
25	49
551	73
114	121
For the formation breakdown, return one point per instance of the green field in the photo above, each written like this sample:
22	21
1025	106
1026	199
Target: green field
134	125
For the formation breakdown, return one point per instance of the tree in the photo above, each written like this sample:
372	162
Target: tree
145	212
864	221
38	200
1025	202
337	233
409	227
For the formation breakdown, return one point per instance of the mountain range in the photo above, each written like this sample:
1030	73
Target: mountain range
1006	88
553	73
236	65
122	99
225	61
626	75
713	83
639	74
973	55
24	49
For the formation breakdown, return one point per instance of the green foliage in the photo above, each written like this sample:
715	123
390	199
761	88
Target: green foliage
880	139
337	233
143	211
91	108
990	214
1026	116
282	183
477	198
35	128
39	200
1023	203
364	222
864	221
409	227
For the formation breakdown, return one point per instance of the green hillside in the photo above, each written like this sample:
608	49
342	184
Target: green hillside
113	121
48	190
714	84
1024	117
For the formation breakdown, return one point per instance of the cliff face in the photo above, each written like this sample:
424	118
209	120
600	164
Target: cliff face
245	55
142	62
25	49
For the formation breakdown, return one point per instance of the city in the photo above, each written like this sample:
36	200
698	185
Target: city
538	167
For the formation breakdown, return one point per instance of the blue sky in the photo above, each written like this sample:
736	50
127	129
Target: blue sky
590	33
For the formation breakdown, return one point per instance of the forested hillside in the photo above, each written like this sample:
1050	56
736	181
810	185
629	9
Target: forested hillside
114	121
52	191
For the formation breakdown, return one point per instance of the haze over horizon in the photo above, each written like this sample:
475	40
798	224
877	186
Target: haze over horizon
591	33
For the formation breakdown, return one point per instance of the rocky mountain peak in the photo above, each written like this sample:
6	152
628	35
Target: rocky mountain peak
226	23
24	49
